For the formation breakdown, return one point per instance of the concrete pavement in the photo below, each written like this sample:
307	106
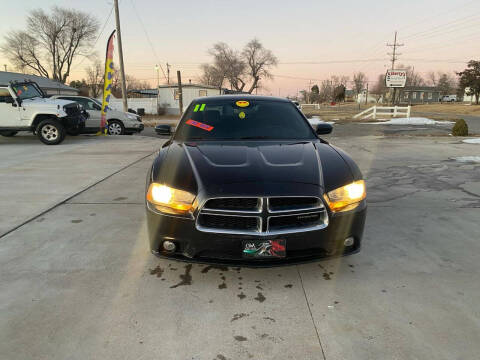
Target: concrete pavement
78	282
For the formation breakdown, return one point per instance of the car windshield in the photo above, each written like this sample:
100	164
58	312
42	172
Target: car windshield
243	120
26	91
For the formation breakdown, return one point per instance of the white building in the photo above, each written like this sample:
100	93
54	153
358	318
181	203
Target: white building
168	95
468	98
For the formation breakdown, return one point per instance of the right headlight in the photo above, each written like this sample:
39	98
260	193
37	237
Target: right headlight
169	200
346	197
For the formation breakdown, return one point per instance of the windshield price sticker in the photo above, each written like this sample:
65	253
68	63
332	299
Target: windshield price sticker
199	107
199	125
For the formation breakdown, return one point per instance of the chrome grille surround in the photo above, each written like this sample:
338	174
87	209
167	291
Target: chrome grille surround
264	214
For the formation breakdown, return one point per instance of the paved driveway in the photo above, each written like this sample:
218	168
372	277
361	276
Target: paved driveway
78	281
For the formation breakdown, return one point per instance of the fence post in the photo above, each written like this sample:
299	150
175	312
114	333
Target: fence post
375	113
408	111
395	111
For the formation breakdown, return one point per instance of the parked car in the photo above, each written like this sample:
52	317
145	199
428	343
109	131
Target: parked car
24	107
449	98
246	179
119	122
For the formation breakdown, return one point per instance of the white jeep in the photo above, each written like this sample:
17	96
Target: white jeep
24	107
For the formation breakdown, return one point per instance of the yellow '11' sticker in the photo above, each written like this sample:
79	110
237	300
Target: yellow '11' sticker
199	107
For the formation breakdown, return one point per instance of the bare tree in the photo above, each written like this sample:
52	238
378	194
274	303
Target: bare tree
239	68
51	41
95	74
359	82
259	61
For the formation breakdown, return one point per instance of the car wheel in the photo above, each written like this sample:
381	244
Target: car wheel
51	132
115	127
8	133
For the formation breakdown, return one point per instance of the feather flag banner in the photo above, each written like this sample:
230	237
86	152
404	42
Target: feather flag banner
107	86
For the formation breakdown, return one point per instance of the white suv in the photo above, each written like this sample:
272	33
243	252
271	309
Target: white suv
449	98
23	107
118	122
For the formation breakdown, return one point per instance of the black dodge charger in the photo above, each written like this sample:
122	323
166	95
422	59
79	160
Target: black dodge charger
246	179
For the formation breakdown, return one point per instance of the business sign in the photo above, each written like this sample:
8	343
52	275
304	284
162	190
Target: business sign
396	78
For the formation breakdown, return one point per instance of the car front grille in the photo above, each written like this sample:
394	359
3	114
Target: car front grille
72	109
262	216
234	204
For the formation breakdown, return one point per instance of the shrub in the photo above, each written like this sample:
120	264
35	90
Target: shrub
460	128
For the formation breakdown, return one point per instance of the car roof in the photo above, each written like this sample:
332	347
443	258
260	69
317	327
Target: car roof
248	97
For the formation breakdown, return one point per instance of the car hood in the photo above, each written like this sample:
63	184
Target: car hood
288	162
45	102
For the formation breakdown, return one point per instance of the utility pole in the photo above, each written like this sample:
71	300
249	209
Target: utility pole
5	66
168	73
157	68
120	55
180	95
394	56
366	95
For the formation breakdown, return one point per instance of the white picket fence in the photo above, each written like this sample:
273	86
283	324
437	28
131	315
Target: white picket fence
374	111
310	107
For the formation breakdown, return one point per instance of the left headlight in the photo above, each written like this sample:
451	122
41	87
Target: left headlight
346	197
169	200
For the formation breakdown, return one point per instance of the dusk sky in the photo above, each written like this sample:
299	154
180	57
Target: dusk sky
312	39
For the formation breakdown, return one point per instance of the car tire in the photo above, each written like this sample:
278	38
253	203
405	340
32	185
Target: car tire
8	133
51	132
115	127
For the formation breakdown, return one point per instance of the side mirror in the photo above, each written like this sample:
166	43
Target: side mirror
163	130
323	129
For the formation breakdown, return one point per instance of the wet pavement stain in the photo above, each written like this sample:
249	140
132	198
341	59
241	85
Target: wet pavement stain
350	265
93	214
326	276
223	278
239	278
241	296
222	286
240	338
384	291
269	318
260	297
41	219
186	279
220	357
336	302
76	221
157	271
216	267
238	316
289	286
259	287
120	198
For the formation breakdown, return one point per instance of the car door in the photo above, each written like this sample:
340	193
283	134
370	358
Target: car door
94	110
9	112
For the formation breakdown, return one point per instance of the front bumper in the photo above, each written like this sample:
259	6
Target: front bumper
136	128
200	246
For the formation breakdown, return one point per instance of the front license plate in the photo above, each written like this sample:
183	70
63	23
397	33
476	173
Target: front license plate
264	248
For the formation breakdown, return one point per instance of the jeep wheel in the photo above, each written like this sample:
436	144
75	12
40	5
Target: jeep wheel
51	132
8	133
115	127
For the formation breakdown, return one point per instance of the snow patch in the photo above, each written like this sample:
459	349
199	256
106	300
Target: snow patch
315	120
468	159
412	121
472	141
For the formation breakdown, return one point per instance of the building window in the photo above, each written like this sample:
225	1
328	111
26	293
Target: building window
430	96
414	95
202	92
405	95
176	94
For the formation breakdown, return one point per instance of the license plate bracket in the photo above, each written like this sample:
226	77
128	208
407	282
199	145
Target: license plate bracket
264	249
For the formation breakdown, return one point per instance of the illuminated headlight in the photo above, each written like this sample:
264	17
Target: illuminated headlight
346	197
170	200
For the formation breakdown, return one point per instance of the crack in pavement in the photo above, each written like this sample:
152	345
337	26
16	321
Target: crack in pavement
64	201
310	311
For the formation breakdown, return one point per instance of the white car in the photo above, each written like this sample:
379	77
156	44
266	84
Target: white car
24	107
449	98
119	122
